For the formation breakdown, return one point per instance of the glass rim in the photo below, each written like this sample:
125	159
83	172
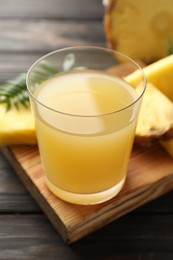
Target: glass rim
83	48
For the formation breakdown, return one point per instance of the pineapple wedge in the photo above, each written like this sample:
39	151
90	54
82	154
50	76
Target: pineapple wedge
16	126
155	116
159	74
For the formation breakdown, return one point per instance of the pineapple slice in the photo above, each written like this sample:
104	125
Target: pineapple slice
159	74
16	126
155	116
142	30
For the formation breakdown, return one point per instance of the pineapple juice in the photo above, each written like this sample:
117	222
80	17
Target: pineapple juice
84	144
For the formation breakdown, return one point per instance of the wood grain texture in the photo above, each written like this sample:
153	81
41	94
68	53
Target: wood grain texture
34	35
62	9
147	179
33	237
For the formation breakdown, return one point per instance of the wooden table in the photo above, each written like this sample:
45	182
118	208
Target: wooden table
28	30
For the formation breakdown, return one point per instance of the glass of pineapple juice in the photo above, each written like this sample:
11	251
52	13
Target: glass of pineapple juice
85	118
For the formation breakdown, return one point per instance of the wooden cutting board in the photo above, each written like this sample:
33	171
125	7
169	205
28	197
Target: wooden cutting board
150	174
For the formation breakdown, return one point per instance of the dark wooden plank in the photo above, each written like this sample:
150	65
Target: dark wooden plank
17	203
163	205
139	237
30	237
131	234
46	35
12	64
73	9
23	42
13	195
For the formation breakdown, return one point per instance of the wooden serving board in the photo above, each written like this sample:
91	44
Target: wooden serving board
150	174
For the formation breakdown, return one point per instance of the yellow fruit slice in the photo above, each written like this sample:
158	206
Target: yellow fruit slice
159	74
155	116
16	126
142	30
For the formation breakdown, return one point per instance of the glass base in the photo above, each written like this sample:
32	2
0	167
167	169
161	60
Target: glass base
85	199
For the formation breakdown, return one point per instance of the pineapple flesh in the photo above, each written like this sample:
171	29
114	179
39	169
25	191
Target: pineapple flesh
159	74
142	30
155	117
16	126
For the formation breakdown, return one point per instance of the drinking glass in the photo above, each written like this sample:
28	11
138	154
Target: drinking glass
85	117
